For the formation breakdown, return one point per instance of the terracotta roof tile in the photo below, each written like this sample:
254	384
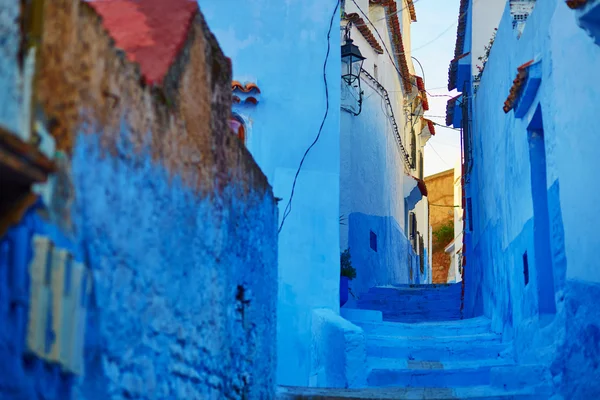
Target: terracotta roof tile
450	109
411	7
247	88
430	126
152	32
411	10
575	4
365	31
397	43
459	49
421	87
516	88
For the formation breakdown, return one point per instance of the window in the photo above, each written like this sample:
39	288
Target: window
421	165
413	151
375	72
421	254
526	268
373	240
412	229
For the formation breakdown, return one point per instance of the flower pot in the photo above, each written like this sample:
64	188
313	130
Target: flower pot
343	290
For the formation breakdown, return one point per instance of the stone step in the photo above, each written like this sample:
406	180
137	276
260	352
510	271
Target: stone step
471	393
393	317
434	350
470	326
407	373
422	338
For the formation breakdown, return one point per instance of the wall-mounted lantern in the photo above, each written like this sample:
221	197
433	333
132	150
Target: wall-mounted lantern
352	61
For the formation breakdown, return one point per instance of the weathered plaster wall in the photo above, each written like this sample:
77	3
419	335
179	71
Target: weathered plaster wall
281	46
170	211
440	192
503	205
10	32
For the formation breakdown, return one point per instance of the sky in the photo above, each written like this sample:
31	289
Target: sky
433	39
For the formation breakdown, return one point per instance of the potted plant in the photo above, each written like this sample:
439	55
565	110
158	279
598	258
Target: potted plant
347	273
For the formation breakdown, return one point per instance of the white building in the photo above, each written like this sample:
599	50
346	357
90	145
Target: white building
454	249
383	201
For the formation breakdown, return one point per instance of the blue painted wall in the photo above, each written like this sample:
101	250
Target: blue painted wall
22	374
184	283
281	46
513	215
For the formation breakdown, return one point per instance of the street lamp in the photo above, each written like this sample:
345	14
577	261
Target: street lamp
352	61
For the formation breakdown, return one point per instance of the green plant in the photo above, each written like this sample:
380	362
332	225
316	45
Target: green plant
347	269
445	233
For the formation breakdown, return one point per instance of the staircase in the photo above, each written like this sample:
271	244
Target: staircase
419	348
414	303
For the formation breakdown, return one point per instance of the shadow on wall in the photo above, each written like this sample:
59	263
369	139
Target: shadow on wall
381	253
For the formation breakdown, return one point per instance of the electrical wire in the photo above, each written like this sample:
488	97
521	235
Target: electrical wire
445	30
397	12
387	50
438	154
288	207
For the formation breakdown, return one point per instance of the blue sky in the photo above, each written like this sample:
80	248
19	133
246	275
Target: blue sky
435	18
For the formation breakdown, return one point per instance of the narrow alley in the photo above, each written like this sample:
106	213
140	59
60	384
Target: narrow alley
418	347
299	199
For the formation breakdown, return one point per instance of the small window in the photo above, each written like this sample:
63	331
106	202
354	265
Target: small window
526	268
373	240
376	72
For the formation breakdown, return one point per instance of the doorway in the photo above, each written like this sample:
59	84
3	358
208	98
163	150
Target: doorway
541	215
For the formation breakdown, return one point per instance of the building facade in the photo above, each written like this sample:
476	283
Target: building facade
283	52
138	239
440	189
383	203
530	238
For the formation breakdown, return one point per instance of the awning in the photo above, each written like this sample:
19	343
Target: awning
414	190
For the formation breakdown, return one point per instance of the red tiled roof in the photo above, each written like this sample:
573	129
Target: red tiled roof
575	4
411	10
250	99
450	109
365	31
152	32
430	125
397	44
247	88
411	7
459	49
515	90
421	87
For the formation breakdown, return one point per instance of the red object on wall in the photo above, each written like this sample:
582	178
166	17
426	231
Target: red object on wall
152	32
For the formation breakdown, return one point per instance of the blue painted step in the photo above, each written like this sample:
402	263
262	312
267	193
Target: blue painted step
471	326
471	393
433	350
407	373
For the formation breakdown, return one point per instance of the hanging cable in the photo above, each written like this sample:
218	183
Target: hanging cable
389	53
288	207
